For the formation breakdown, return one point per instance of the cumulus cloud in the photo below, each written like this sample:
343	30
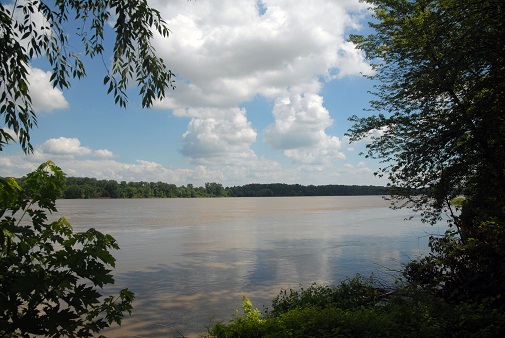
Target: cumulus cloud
45	98
70	148
217	135
360	167
64	146
80	161
299	129
225	53
73	163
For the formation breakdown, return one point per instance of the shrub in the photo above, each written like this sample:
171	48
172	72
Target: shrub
357	307
50	275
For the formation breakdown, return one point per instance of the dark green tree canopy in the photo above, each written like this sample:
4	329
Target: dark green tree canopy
37	28
51	277
440	69
440	98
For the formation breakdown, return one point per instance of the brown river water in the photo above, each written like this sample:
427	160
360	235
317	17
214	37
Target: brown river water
190	261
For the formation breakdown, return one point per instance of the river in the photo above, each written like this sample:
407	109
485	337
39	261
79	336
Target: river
189	261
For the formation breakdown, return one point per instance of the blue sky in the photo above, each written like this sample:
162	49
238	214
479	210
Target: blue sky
263	93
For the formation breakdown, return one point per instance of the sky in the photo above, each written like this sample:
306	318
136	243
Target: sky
264	90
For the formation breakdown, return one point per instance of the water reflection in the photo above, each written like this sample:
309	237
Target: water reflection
190	260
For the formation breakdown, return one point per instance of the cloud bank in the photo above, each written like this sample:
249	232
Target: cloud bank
225	55
228	52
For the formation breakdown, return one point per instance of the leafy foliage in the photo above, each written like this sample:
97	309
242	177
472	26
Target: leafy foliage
356	307
469	275
86	187
441	85
49	274
34	28
360	307
349	294
440	66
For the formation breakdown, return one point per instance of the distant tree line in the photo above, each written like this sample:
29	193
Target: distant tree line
85	187
281	189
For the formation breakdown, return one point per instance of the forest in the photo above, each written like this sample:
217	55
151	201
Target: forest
84	187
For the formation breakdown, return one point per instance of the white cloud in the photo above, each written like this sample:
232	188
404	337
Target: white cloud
217	135
64	146
103	153
76	160
299	129
260	171
361	168
15	166
225	53
67	148
45	98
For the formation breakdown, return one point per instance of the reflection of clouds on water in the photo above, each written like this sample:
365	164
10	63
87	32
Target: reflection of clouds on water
170	301
184	296
189	260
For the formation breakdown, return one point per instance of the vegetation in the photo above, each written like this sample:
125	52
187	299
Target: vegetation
48	272
441	68
439	129
92	188
50	276
85	187
360	307
280	189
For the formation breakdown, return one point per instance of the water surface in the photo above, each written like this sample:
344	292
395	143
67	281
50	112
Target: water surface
189	261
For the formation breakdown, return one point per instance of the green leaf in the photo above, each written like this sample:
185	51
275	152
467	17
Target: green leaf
47	264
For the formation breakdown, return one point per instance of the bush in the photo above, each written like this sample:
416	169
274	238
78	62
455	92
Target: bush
352	293
49	274
357	307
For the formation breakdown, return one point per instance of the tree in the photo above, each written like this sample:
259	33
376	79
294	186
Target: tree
440	133
48	272
440	65
214	189
33	28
